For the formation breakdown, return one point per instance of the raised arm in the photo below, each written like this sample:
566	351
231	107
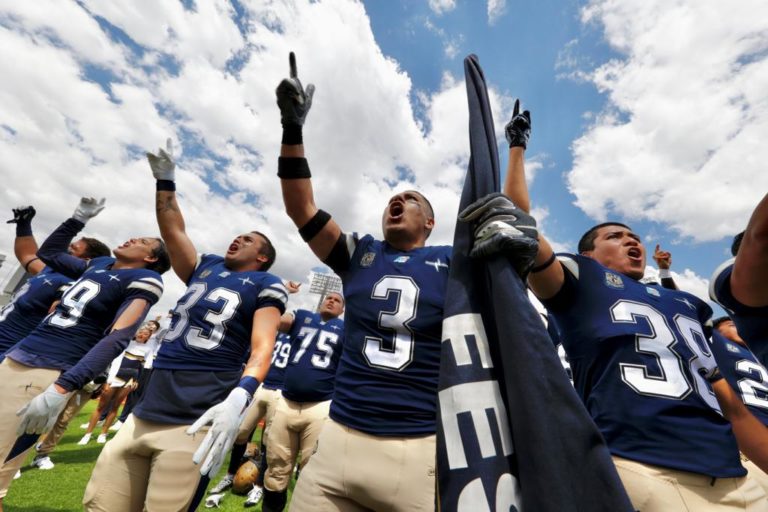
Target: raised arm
315	226
749	279
25	245
546	278
751	435
55	249
225	417
663	260
172	228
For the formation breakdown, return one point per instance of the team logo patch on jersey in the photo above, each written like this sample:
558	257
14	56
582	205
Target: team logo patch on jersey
367	259
224	274
731	348
613	281
307	320
652	291
204	274
402	259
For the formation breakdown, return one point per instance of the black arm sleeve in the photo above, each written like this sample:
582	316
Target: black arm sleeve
100	356
54	253
669	283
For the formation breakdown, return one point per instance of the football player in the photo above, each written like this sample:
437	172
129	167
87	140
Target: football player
307	391
740	284
33	301
69	348
262	408
746	376
377	451
641	363
231	306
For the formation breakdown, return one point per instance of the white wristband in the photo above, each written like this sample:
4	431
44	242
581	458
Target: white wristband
665	273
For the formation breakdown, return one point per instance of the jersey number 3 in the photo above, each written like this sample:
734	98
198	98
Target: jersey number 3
394	352
195	337
671	381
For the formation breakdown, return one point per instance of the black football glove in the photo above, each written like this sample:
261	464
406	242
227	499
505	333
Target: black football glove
503	228
293	100
518	129
22	214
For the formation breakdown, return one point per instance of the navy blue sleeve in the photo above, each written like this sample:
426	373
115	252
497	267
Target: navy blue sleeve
54	253
101	355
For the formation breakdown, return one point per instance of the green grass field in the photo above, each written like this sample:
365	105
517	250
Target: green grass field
62	487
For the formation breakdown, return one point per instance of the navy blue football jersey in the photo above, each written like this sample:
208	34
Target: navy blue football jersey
280	355
636	352
201	357
386	383
315	354
744	373
751	322
29	305
86	313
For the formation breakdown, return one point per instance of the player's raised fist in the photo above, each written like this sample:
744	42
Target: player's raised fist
293	100
88	208
162	164
518	129
500	227
22	214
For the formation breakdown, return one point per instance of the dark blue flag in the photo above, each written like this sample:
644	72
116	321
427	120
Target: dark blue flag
512	432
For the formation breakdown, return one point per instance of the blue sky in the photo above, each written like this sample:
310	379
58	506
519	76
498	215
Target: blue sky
651	112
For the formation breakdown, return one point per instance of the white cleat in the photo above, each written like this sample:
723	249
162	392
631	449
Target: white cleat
101	439
224	484
17	475
43	462
116	426
98	424
254	496
84	440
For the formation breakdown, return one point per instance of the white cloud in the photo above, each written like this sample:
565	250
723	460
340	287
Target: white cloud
681	138
442	6
207	80
496	8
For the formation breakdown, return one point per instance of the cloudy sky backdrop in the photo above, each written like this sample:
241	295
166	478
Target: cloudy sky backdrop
647	111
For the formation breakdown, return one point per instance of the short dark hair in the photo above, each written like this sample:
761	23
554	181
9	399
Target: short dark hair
431	211
718	321
587	241
163	262
268	250
736	243
95	248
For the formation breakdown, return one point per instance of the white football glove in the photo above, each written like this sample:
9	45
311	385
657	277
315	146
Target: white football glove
162	164
39	415
225	420
88	208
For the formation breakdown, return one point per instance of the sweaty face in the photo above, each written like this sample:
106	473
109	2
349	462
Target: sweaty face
619	249
407	215
332	305
78	248
244	250
137	249
728	330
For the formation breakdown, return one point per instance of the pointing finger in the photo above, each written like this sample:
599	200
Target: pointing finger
169	146
292	62
516	110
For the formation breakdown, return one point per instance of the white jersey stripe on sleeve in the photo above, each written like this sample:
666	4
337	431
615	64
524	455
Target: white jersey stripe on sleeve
148	287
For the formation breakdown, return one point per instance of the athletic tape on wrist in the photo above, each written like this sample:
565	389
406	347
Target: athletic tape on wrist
250	384
292	135
166	185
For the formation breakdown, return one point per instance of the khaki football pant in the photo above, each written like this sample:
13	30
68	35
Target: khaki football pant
146	466
18	385
658	489
75	404
293	432
756	474
262	407
353	471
